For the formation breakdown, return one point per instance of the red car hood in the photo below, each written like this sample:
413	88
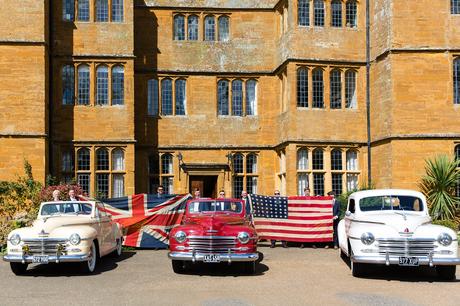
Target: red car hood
215	222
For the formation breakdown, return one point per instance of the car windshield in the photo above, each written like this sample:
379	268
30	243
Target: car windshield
215	206
391	202
66	208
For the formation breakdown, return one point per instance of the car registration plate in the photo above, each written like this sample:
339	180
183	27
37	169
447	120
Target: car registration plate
40	259
408	261
211	258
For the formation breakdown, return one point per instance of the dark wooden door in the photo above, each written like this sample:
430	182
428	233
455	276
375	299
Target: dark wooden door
207	185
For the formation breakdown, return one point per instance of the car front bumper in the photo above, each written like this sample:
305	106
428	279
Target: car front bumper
394	260
51	258
224	257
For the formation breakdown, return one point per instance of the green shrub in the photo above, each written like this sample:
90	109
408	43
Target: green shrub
447	223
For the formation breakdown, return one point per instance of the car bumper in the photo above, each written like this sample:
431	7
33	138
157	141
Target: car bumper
394	260
224	257
51	258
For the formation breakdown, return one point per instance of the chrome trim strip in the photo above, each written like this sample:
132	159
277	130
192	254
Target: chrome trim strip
354	238
211	237
51	258
364	221
423	260
224	257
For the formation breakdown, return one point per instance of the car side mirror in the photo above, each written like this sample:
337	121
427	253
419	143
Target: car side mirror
348	213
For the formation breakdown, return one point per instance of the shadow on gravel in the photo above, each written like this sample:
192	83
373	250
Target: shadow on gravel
224	269
402	274
104	264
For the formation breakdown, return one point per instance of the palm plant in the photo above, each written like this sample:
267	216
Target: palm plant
439	185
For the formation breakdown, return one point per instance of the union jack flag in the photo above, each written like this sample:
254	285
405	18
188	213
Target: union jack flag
147	219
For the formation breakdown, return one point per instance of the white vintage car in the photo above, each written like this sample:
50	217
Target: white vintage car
65	232
393	227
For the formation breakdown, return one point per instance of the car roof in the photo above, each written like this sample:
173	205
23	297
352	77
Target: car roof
382	192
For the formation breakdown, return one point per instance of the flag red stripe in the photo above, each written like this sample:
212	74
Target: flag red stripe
280	237
291	224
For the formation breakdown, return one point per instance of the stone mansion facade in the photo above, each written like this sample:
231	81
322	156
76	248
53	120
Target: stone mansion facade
124	95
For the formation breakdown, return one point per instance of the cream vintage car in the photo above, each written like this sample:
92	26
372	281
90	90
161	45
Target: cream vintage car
393	227
78	231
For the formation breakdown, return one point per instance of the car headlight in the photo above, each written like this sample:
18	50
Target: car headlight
74	239
15	239
445	239
243	237
180	236
367	238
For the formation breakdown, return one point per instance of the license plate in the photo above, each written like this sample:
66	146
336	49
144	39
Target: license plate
40	259
408	261
211	258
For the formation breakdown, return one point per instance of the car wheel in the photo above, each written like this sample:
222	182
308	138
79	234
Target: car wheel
356	269
18	268
343	256
446	272
178	266
89	266
250	267
119	248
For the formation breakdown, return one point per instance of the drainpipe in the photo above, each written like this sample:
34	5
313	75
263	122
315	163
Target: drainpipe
50	88
368	95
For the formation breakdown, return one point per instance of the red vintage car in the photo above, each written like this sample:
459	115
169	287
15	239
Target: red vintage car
214	231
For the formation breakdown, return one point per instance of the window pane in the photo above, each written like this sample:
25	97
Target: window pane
166	164
238	163
303	12
152	97
318	184
237	186
352	160
166	97
337	183
351	14
118	160
251	184
222	88
318	163
83	156
118	185
319	12
102	186
102	160
118	85
318	89
457	80
224	28
192	27
180	97
302	182
336	160
68	10
209	28
102	85
302	159
237	98
350	89
457	152
352	182
68	83
83	85
336	89
251	163
336	8
251	100
83	10
117	10
102	10
455	6
167	183
67	161
302	87
179	27
83	181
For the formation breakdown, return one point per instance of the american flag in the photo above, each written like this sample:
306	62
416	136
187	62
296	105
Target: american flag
299	219
147	219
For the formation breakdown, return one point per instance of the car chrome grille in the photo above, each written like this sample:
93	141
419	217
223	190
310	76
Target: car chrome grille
45	246
406	246
211	244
